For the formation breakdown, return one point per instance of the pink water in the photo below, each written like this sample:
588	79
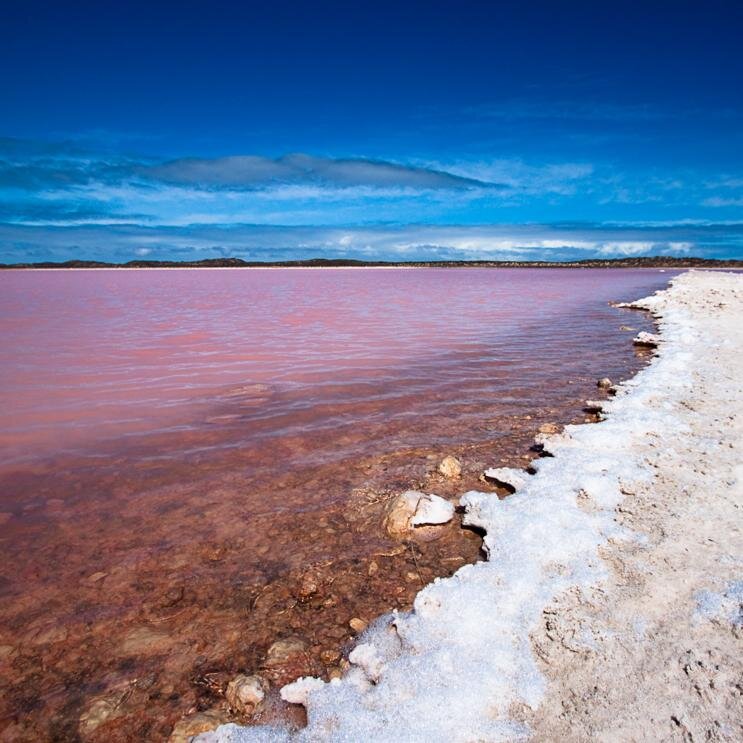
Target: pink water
178	446
89	356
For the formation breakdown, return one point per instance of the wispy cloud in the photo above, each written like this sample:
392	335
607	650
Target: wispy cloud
122	243
36	167
260	172
718	201
173	204
525	178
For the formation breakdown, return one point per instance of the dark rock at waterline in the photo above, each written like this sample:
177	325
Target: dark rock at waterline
287	660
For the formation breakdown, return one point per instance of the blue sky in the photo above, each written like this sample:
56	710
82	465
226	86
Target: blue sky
395	130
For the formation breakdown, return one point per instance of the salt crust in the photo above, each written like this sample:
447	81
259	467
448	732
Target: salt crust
507	476
431	510
454	667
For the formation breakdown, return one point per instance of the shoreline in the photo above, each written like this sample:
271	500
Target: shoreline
470	663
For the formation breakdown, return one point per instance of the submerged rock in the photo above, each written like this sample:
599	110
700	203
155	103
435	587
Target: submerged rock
357	625
145	641
192	725
450	467
417	515
100	711
245	694
288	659
308	585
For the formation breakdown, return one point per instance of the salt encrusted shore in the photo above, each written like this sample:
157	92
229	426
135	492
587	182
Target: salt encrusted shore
610	604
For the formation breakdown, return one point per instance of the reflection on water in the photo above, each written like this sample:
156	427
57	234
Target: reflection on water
178	448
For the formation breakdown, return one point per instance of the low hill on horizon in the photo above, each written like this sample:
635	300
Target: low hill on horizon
635	262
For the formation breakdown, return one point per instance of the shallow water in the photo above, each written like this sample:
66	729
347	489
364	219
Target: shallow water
179	447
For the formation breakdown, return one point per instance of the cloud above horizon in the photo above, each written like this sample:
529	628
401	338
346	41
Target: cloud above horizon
120	243
251	172
30	166
70	185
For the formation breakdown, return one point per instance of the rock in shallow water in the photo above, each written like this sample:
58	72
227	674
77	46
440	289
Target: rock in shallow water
415	515
549	428
192	725
145	641
245	694
357	624
646	339
100	711
450	467
287	660
508	477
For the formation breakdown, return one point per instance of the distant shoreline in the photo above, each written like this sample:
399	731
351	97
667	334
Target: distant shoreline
222	263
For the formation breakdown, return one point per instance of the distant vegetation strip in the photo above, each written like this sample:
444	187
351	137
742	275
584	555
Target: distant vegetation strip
639	262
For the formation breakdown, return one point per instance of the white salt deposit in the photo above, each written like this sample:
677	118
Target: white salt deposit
509	476
646	339
298	691
367	658
458	665
432	509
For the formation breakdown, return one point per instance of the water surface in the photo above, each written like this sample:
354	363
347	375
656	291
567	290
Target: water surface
179	447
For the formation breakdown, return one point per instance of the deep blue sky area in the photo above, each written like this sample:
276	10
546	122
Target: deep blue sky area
381	130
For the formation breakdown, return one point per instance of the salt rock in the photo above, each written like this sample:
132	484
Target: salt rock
604	383
287	660
549	428
192	725
506	476
450	467
414	514
246	693
299	691
593	406
432	510
548	441
646	339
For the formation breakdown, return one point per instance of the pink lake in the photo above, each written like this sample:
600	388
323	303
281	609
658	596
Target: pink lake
178	447
92	356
